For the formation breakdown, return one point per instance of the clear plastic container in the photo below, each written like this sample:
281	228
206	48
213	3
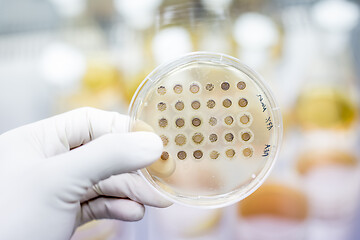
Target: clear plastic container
220	125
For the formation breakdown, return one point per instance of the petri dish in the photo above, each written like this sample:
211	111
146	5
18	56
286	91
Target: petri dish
220	125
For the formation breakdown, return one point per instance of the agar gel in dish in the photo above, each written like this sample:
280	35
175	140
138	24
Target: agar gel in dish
220	126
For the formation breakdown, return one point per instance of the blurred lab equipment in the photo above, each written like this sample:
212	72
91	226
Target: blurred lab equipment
58	55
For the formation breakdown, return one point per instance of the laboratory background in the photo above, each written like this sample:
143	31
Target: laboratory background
57	55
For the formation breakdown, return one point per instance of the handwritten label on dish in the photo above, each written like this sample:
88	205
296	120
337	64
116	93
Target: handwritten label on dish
263	105
266	150
269	124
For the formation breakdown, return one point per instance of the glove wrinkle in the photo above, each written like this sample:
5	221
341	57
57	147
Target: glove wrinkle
89	124
87	213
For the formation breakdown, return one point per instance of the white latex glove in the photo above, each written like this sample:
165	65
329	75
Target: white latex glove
48	168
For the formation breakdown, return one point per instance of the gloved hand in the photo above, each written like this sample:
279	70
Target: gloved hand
48	168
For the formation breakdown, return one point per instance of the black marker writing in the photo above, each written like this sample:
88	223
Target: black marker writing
269	123
263	105
266	150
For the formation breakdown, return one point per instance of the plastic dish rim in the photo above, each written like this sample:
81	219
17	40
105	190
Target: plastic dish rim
219	58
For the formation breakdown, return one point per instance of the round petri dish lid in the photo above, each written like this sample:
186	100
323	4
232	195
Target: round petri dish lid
220	126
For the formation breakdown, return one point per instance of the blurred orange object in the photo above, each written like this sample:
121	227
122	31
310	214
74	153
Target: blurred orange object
277	200
319	158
